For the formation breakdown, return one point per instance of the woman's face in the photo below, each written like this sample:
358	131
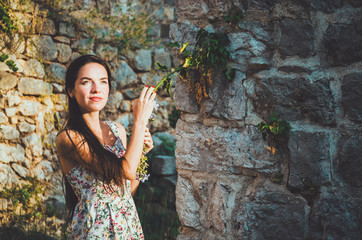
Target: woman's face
91	88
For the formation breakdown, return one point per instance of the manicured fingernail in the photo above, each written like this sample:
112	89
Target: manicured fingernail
146	86
153	86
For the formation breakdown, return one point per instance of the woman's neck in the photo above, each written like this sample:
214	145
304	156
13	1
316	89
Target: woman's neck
92	120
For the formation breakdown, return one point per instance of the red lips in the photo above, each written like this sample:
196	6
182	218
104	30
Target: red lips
96	99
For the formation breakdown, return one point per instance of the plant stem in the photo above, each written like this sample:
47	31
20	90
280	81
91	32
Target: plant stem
167	76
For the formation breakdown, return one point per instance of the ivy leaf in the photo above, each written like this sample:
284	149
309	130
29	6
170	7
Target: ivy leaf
3	57
188	62
183	47
162	68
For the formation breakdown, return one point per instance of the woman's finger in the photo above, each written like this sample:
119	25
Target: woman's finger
142	95
149	92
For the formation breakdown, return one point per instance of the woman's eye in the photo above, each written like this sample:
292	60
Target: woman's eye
104	82
84	82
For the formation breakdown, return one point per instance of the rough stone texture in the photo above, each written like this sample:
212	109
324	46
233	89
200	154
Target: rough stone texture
66	29
269	213
336	214
26	127
28	108
352	96
56	72
48	51
114	102
295	99
184	99
106	52
34	68
297	38
3	118
47	27
349	160
7	176
84	44
217	149
143	60
34	143
64	52
162	57
11	153
9	132
232	104
7	80
124	76
343	43
33	86
300	60
310	160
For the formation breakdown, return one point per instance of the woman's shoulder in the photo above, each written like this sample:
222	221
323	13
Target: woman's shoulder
68	140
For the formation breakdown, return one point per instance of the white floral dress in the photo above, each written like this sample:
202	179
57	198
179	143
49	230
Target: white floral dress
99	214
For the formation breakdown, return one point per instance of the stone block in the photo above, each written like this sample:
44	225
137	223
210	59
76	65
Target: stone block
107	52
184	99
191	9
7	80
343	43
7	176
56	72
83	44
13	98
114	102
34	68
143	60
31	86
183	33
297	38
187	207
164	165
28	108
324	6
218	149
26	127
9	132
349	161
47	27
64	52
46	48
43	171
336	214
124	76
66	29
162	57
310	160
352	97
295	99
34	143
3	118
269	212
9	153
23	172
232	104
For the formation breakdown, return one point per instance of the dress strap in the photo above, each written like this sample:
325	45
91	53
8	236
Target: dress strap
113	126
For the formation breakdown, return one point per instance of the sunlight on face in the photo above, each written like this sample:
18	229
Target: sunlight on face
91	88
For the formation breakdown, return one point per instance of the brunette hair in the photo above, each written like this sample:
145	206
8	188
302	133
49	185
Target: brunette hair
105	165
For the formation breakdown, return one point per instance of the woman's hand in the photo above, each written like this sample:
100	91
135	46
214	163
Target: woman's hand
142	108
148	141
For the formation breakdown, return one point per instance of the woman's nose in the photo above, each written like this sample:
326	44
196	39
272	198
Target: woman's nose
96	87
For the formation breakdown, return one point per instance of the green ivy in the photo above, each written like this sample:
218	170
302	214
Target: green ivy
274	128
7	24
10	63
209	54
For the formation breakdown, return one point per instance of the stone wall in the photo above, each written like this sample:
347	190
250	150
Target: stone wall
33	100
303	61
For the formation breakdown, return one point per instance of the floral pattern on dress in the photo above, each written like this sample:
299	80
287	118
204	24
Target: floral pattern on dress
99	213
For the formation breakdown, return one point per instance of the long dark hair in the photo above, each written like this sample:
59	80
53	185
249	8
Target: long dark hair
104	164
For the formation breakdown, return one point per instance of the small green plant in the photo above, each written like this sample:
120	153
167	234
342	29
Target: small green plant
209	55
274	127
174	116
10	63
27	211
234	16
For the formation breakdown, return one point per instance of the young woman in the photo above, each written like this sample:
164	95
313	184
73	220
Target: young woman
99	167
